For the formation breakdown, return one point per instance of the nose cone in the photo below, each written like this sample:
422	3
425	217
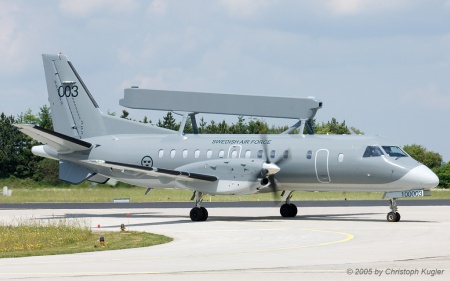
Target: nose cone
428	178
424	176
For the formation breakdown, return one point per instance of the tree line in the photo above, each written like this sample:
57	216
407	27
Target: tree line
17	161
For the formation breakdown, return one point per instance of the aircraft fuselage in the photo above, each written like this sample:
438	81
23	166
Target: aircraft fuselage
308	162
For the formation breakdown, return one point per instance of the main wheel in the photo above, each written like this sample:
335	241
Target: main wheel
398	217
285	210
205	213
197	214
392	217
293	210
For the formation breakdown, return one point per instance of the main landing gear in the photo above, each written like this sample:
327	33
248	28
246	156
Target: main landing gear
198	213
393	215
288	210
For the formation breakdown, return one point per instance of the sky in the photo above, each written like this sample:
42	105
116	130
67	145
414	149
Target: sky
381	66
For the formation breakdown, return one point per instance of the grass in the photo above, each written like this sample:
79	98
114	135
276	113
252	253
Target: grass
30	191
35	238
136	194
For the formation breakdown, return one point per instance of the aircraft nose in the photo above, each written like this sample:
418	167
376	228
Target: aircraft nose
425	176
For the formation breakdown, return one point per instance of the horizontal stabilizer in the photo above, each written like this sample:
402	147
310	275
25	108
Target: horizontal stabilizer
59	142
152	171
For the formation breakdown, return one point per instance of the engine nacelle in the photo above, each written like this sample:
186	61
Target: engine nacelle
264	182
236	176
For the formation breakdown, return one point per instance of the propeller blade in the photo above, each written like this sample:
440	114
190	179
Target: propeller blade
265	148
282	157
273	186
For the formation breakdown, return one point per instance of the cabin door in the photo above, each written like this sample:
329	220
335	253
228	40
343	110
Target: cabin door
322	172
234	151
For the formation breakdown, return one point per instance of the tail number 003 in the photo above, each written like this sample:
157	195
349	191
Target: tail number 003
68	91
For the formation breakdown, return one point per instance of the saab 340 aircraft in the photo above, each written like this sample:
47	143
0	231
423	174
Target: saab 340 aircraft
93	146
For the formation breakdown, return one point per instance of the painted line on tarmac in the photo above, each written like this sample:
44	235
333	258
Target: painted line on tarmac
347	238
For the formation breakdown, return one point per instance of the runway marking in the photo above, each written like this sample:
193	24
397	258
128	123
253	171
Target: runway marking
346	239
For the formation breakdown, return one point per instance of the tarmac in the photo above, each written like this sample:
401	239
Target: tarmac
251	243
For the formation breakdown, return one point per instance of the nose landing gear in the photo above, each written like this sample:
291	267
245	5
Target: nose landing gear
393	215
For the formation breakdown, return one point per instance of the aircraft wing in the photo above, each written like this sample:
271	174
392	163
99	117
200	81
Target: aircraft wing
152	171
59	142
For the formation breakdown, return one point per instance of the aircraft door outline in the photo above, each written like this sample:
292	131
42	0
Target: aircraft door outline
234	151
321	165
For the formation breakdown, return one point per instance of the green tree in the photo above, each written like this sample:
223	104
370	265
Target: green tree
428	158
27	117
240	127
443	173
45	118
47	171
16	158
124	114
257	127
332	127
169	122
202	126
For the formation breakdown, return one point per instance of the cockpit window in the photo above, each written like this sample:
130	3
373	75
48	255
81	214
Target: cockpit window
394	151
373	151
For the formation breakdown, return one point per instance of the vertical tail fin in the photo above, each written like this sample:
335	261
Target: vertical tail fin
74	111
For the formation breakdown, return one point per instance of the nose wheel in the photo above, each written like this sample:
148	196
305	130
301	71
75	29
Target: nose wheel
393	215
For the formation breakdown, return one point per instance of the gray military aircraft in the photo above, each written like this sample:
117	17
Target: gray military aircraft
90	145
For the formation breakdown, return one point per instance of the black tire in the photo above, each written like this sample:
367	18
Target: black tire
391	217
205	213
196	214
285	210
293	210
398	217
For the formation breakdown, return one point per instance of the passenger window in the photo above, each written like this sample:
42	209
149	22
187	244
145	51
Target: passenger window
340	157
373	151
394	151
286	154
185	153
221	153
309	154
209	153
248	154
272	154
161	153
197	153
260	154
172	153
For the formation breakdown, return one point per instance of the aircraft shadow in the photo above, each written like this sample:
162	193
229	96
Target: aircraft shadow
124	217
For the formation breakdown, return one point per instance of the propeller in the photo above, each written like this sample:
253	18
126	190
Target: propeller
270	168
